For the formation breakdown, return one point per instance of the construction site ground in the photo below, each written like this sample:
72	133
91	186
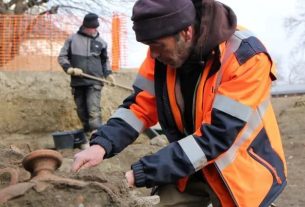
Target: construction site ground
33	105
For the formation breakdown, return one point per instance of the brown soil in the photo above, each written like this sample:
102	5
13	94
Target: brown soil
35	104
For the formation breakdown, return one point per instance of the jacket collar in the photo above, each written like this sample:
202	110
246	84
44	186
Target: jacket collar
81	32
216	23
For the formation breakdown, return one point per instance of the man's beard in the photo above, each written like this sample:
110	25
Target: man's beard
183	52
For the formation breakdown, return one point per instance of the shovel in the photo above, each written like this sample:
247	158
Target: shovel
105	81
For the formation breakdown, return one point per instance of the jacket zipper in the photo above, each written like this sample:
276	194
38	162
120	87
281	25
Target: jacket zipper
88	48
226	185
267	165
194	102
179	108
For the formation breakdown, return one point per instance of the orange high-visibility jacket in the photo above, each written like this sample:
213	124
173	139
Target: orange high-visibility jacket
236	142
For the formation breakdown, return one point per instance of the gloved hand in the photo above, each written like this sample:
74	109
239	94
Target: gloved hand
111	79
75	71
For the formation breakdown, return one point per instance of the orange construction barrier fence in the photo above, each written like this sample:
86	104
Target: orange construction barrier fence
33	43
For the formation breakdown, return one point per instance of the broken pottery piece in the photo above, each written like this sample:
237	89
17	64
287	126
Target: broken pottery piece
13	174
13	191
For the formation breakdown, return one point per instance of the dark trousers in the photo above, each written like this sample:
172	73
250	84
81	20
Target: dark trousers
197	194
87	100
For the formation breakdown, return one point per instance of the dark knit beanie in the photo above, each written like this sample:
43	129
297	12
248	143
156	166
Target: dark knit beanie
91	21
153	19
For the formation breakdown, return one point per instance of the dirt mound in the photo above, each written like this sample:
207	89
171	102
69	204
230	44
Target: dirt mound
291	118
35	104
88	188
42	101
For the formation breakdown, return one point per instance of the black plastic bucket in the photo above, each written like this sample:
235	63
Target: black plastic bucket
79	138
69	139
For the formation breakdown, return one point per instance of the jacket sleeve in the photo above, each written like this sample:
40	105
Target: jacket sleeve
246	87
137	113
65	55
105	60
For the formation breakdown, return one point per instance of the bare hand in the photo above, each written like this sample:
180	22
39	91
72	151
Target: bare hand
130	178
88	158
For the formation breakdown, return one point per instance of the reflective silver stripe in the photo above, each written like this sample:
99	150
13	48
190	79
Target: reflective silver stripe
193	151
263	107
145	84
232	45
253	123
129	117
178	95
232	107
254	118
231	153
244	34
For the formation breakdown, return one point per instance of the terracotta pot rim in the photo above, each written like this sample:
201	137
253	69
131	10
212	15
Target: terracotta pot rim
28	160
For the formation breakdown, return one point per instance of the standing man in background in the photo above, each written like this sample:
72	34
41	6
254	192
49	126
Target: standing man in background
86	52
208	84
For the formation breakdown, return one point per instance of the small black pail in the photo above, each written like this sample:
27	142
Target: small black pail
69	139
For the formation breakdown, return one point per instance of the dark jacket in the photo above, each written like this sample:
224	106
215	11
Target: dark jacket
87	53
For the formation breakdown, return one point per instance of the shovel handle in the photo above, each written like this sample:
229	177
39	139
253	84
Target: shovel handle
105	81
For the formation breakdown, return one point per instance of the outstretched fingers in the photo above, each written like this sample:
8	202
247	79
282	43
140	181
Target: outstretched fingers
78	163
88	158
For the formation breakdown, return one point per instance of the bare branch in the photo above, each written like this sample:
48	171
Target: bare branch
20	7
33	3
11	3
295	26
52	10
